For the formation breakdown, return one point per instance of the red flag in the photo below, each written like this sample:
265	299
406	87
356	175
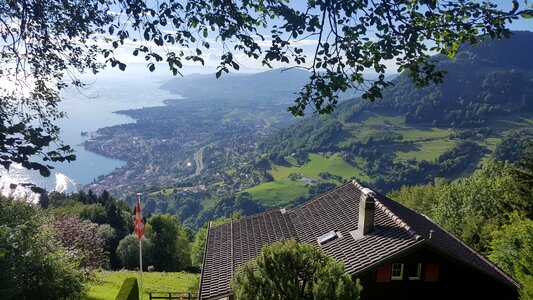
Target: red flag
139	221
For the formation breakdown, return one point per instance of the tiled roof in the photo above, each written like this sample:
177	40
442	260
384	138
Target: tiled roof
397	229
232	244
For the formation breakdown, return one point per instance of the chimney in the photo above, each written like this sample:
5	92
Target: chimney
367	205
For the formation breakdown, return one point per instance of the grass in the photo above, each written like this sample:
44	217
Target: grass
381	118
492	142
429	150
318	164
279	192
333	164
210	202
511	122
282	190
107	283
413	134
279	172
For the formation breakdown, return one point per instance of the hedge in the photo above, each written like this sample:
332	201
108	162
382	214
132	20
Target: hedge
129	290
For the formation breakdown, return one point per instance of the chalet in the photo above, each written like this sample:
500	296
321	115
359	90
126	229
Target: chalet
394	251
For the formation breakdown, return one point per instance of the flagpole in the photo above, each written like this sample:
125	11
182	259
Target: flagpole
141	263
140	252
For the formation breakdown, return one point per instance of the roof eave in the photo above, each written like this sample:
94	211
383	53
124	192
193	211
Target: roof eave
509	282
389	258
203	261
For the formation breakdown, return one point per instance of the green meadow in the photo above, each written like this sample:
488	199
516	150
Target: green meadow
106	284
423	143
419	151
279	192
282	190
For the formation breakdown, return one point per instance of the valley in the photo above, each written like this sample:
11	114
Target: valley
231	145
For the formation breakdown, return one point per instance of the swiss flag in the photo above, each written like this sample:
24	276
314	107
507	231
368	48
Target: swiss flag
139	221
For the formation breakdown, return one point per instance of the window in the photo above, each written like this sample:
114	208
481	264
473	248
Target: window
414	271
330	236
397	271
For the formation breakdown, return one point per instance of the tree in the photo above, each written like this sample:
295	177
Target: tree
128	252
170	241
34	264
46	44
117	214
523	176
512	250
80	238
291	270
107	234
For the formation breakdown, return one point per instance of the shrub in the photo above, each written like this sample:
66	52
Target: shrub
129	290
33	264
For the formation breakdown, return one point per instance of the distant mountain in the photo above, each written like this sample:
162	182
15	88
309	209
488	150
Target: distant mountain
483	109
274	87
278	85
493	78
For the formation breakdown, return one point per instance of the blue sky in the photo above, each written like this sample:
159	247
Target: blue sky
247	65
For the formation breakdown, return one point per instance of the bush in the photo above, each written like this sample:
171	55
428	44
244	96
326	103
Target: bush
291	270
34	264
129	290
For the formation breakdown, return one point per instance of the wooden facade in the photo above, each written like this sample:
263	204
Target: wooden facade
428	274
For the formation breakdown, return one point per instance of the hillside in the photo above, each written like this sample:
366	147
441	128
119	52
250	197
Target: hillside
414	135
226	147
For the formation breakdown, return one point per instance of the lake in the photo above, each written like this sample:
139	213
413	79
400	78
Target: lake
87	110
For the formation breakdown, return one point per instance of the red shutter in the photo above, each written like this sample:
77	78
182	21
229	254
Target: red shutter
384	273
432	272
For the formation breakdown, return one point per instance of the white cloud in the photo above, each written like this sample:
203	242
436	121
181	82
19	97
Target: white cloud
298	43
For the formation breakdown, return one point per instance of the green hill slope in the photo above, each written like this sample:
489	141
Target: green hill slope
413	135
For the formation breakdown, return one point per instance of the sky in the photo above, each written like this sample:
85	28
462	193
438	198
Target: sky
248	65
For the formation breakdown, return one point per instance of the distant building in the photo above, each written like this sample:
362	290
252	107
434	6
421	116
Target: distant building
308	180
394	251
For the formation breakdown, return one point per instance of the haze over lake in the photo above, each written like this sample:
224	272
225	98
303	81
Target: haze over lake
92	108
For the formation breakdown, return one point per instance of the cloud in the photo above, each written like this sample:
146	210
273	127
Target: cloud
298	43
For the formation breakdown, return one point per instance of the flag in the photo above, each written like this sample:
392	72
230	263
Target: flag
139	221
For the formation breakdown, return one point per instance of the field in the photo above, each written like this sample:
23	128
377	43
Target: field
429	150
108	283
282	190
279	192
416	143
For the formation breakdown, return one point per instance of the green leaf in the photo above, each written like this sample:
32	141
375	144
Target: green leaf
527	14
